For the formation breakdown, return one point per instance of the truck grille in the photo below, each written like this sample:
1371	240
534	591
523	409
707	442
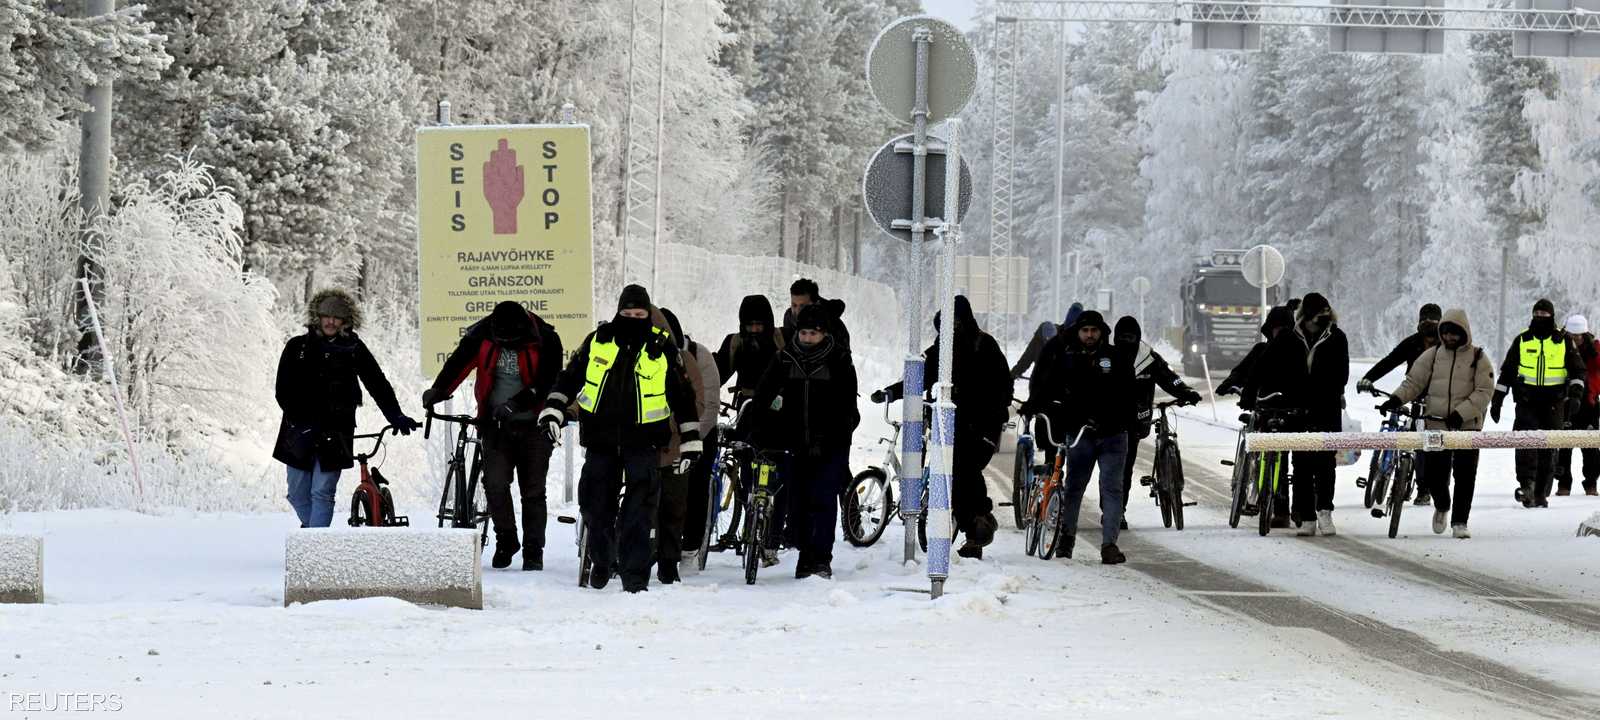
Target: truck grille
1234	335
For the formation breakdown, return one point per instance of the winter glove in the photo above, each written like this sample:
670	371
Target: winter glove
1494	405
1189	398
1228	390
1574	406
504	412
688	453
403	424
1454	421
551	421
879	397
1364	386
1390	405
427	398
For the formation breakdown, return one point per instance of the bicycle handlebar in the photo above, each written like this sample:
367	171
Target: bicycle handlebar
427	426
1050	435
377	445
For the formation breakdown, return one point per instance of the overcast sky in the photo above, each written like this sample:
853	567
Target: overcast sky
956	11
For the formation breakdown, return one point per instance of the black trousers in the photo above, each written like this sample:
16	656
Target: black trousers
670	514
809	512
1436	478
1127	470
518	448
699	487
1313	484
1591	456
969	493
1536	468
626	528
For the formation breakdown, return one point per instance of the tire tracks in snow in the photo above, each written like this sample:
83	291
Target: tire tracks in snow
1402	650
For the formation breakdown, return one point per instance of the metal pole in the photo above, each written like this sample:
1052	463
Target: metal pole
568	439
911	439
1061	161
661	148
944	409
443	113
116	390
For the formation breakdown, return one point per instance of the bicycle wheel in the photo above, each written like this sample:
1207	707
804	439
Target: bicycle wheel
1174	484
1380	485
716	514
359	514
583	554
753	531
1266	495
1373	467
1243	465
1030	521
867	506
446	498
1021	478
1050	526
1397	494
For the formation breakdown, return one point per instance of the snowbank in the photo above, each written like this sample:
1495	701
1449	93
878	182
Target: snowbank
424	565
21	569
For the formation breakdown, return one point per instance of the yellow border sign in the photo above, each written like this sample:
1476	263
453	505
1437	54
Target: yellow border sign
503	213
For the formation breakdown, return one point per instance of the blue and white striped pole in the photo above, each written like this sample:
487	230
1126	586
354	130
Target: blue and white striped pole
911	441
944	410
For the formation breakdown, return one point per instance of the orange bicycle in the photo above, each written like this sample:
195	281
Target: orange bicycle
1043	519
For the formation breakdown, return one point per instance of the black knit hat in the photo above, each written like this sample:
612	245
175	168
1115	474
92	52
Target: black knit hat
633	297
510	322
755	308
1429	312
1545	305
677	328
811	317
1313	304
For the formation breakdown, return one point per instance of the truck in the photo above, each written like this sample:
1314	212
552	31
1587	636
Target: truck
1221	312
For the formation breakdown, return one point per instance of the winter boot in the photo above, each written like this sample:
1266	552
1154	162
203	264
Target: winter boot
983	529
1307	528
969	550
1066	551
802	570
1524	494
667	572
1440	519
1122	524
769	557
1423	499
1564	488
1325	523
1281	522
503	551
1590	489
1110	555
533	559
599	575
822	570
1460	531
636	585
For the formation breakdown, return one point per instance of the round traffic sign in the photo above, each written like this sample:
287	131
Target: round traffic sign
892	68
886	186
1141	286
1263	266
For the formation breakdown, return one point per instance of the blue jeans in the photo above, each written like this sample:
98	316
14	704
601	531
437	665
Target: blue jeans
311	494
1110	453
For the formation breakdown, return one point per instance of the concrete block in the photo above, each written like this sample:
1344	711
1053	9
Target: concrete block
427	566
21	568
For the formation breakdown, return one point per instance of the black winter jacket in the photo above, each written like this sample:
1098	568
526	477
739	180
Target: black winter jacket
319	388
982	384
1310	373
1150	370
818	411
478	352
1075	386
1404	353
614	425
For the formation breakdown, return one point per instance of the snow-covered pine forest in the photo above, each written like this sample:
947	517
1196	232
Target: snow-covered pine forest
263	149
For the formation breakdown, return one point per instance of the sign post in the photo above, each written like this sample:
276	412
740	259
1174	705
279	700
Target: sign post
1141	288
923	70
503	213
1263	268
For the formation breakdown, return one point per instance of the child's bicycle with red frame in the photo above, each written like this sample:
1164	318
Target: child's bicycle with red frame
371	505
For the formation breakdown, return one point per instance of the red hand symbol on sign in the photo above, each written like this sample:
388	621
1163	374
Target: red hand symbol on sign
503	188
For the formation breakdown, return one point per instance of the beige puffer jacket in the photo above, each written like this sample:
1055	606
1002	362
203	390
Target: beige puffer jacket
1459	380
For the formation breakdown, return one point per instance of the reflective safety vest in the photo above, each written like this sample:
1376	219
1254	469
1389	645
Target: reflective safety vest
650	375
1542	363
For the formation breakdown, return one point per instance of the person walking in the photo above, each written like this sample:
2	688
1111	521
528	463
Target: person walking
626	381
516	357
1458	382
320	376
1577	328
1306	369
806	405
1544	374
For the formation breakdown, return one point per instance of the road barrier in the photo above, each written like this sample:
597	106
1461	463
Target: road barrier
428	566
21	569
1425	440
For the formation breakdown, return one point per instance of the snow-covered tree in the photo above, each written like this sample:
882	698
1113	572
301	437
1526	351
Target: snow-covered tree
46	59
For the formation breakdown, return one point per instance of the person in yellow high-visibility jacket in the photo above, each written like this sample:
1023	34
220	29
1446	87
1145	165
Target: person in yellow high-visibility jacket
624	382
1544	373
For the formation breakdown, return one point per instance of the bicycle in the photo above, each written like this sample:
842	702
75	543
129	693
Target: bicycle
1271	468
1023	470
760	497
458	504
1405	467
1166	485
869	504
1044	516
371	504
1380	470
724	503
1243	464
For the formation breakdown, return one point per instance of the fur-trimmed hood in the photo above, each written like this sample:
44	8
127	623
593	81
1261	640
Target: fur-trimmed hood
313	317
